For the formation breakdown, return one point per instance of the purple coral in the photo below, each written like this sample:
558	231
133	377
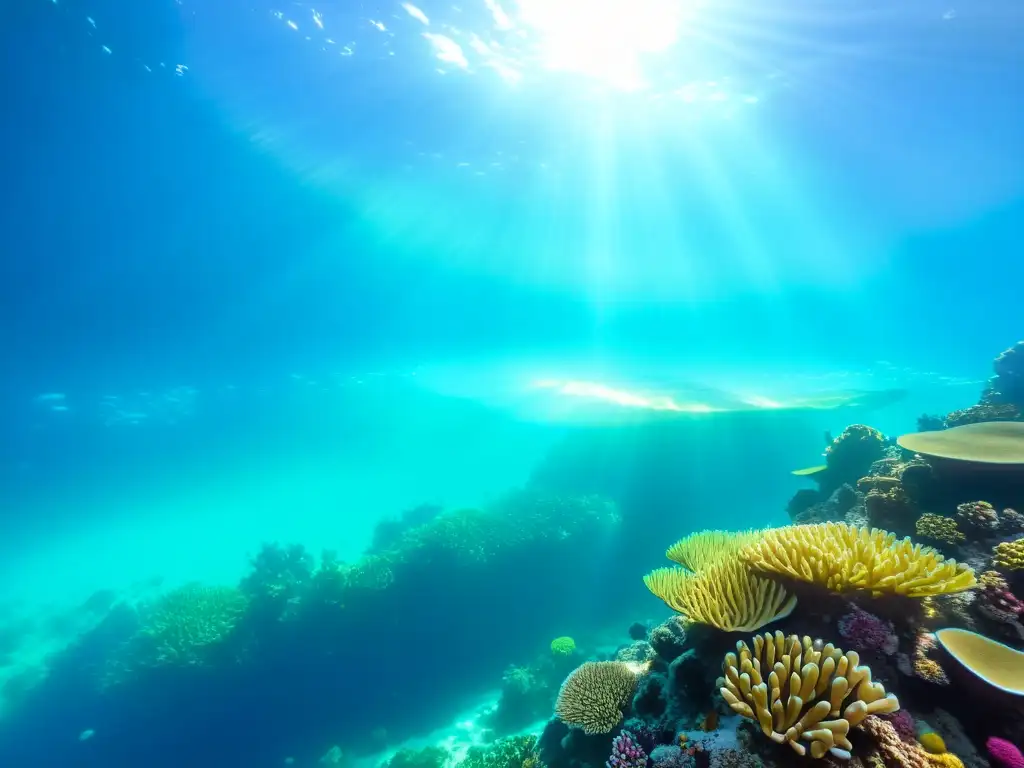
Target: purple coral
867	632
626	753
903	723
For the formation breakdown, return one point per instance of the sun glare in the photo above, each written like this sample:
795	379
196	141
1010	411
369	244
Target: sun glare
605	39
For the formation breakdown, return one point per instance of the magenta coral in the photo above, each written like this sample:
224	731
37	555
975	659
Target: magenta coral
867	632
1004	753
626	753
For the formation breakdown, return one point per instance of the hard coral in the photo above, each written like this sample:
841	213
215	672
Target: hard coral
989	442
594	694
802	670
891	509
705	548
983	412
939	528
563	646
626	753
727	595
896	752
867	632
853	452
979	515
1009	555
843	558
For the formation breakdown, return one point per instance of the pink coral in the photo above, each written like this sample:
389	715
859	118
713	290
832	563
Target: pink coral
867	632
1004	753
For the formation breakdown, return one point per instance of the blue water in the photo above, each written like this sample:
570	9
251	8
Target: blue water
278	272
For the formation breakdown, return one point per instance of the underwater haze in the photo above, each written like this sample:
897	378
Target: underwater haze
354	351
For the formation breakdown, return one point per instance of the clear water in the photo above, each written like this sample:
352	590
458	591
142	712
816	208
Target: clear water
279	272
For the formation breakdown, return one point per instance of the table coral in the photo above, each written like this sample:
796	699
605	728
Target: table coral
802	670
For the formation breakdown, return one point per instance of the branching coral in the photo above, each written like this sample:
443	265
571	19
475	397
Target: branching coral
776	683
594	695
705	548
843	558
939	528
726	595
184	624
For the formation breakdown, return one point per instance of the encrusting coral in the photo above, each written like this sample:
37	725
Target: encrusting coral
727	595
595	693
776	683
844	558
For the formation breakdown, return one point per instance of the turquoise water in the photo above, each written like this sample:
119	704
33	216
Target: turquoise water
282	273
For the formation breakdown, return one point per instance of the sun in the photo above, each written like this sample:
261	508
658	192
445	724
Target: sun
604	39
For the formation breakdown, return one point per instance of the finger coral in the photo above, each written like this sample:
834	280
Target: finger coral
595	693
796	688
699	550
842	557
726	595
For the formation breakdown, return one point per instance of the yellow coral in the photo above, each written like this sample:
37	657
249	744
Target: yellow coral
932	743
945	760
844	557
993	579
776	683
594	695
1009	555
699	550
726	595
939	528
930	670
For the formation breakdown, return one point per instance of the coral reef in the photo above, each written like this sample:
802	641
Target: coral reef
843	558
626	753
727	595
594	695
802	670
